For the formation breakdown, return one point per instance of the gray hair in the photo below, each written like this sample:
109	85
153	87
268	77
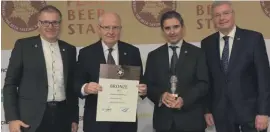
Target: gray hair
100	18
218	3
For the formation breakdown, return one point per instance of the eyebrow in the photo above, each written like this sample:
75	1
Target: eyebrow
172	26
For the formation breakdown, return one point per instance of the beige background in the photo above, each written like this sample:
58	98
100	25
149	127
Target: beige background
248	15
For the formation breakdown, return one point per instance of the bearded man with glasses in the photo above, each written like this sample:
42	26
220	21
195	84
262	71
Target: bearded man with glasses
38	92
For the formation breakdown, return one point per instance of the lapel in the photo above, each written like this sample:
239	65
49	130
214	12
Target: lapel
40	59
164	63
236	49
216	52
164	58
184	51
123	54
64	55
100	53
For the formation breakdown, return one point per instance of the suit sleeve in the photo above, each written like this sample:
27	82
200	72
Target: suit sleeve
262	67
154	92
200	88
139	62
208	98
12	82
73	100
80	75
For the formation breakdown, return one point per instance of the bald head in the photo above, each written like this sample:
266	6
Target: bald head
109	28
109	16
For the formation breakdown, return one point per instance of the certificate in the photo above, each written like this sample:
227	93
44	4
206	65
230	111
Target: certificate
117	102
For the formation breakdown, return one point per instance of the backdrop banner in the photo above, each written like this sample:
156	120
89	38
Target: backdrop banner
140	22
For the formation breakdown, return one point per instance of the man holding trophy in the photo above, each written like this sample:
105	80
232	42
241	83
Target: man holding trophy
177	88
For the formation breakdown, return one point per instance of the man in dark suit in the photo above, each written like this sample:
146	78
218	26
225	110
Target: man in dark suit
182	111
38	90
239	75
111	51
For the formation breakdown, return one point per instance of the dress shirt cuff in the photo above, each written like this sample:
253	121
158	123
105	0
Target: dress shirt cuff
82	90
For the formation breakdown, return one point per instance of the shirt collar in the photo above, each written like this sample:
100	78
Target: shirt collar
47	42
179	44
231	34
106	48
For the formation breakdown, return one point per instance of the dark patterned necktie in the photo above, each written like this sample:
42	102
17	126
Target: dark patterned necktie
225	54
110	57
174	59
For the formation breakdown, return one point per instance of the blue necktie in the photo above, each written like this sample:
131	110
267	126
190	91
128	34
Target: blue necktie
225	54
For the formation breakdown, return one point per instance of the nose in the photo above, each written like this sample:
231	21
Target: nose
171	32
222	16
50	25
110	31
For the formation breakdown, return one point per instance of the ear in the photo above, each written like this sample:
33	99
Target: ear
98	29
233	14
163	34
183	31
39	25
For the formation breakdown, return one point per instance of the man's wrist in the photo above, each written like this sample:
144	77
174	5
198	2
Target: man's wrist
82	90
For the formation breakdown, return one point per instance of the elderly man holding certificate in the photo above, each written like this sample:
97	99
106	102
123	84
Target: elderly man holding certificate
108	76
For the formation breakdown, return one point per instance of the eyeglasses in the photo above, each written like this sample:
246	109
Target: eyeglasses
169	28
108	28
225	14
48	23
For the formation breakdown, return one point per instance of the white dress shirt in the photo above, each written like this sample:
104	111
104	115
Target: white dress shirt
222	42
54	67
115	55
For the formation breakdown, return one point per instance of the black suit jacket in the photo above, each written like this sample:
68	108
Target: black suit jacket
244	91
26	87
88	65
192	86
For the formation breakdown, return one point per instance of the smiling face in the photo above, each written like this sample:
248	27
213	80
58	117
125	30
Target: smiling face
109	28
173	30
223	18
49	25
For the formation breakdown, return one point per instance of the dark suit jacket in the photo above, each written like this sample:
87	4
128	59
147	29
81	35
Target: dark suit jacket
27	72
192	86
88	64
245	90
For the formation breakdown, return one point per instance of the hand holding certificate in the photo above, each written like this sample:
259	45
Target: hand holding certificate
118	99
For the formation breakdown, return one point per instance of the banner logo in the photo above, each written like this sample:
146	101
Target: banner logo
266	7
21	16
150	12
